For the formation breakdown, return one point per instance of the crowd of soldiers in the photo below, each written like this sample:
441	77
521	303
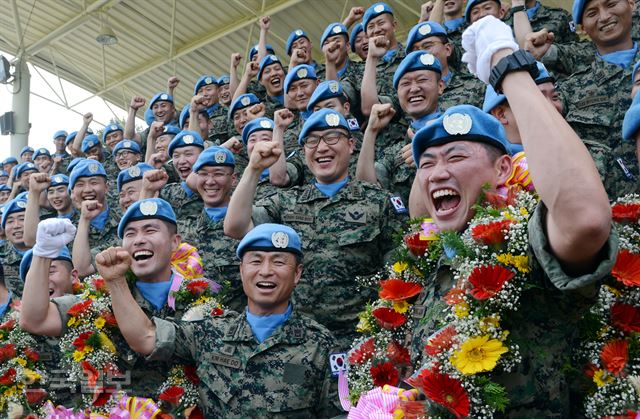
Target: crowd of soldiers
293	179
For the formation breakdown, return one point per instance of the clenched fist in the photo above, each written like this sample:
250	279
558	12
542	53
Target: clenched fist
113	264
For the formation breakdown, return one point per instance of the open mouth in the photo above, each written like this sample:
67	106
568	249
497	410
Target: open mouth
416	99
88	197
608	27
276	81
446	201
184	171
51	291
324	161
266	285
141	255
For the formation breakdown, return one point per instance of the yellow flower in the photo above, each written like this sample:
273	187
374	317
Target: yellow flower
521	263
398	413
400	267
99	322
400	306
363	326
10	391
21	361
106	343
462	310
477	355
488	323
32	376
524	212
614	291
71	321
417	272
507	215
201	300
78	356
601	379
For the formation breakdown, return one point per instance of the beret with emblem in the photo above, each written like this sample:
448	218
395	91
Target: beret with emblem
5	187
70	137
214	156
23	168
577	10
357	28
60	133
10	160
631	123
471	4
299	72
326	90
415	61
267	61
171	130
184	114
73	163
25	264
422	31
86	168
4	173
185	138
322	120
270	238
26	149
109	129
293	37
131	174
258	124
254	50
15	205
59	180
41	152
204	81
374	11
126	145
241	102
160	97
224	79
89	142
493	99
460	123
334	29
146	209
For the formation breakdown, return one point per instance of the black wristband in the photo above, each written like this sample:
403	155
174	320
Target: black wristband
516	9
520	60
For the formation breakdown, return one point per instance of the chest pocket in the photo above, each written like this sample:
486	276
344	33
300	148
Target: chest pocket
358	235
224	382
594	109
295	397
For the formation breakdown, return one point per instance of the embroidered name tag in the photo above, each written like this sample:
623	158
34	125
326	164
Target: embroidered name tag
227	361
591	101
297	218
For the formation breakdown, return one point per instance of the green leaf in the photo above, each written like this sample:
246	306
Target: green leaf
493	394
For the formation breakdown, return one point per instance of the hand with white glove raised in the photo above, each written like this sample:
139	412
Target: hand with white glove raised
52	235
483	39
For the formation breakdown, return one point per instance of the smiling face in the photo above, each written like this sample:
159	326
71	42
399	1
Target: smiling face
27	156
361	45
268	279
126	159
452	176
184	158
214	184
225	95
436	46
163	111
210	94
453	8
90	188
14	229
273	79
162	143
24	178
383	25
4	196
608	22
43	163
61	277
329	163
113	138
486	8
129	193
240	119
419	91
300	92
59	199
150	243
304	45
258	137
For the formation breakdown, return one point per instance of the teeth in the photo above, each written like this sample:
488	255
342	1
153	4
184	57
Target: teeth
265	284
142	254
415	99
444	192
325	160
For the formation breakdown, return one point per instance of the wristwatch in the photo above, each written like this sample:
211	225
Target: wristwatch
516	9
520	60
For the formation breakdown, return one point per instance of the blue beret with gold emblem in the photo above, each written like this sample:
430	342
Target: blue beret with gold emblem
145	209
86	168
204	81
89	142
326	90
160	97
374	11
422	31
109	129
15	205
254	50
26	149
258	124
126	145
59	180
357	28
60	133
417	60
25	264
299	72
215	156
241	102
41	152
132	173
185	138
293	37
267	61
23	168
270	238
334	29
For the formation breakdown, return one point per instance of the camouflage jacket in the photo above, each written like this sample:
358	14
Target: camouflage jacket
351	82
187	208
393	174
544	326
343	237
463	88
11	259
219	131
384	80
554	19
100	240
285	376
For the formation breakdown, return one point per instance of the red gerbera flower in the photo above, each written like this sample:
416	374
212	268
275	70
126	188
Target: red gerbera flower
626	212
76	287
415	244
454	296
217	312
100	285
441	342
91	372
79	308
363	353
190	372
388	318
398	290
627	268
8	325
35	395
197	287
625	317
195	413
398	354
384	373
491	233
590	370
445	391
81	340
7	352
487	281
8	377
498	200
101	396
614	356
109	319
31	354
172	395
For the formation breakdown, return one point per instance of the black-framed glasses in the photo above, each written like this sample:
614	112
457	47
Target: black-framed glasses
331	138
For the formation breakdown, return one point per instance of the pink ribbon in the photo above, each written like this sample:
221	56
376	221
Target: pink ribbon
127	408
380	403
343	391
176	281
187	261
61	412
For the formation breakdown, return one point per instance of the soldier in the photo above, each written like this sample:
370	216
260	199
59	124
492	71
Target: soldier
477	9
13	217
23	172
347	225
207	87
299	85
126	154
289	349
359	41
129	184
527	16
162	109
224	94
61	157
92	148
5	192
6	297
8	164
271	75
112	135
59	198
299	49
42	160
26	154
635	78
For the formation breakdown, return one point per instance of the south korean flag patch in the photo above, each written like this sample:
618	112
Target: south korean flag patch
353	124
398	205
338	363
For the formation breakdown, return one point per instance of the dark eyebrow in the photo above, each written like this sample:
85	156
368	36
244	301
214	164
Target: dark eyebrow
448	150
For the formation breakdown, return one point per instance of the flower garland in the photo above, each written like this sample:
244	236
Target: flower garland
490	266
21	372
612	329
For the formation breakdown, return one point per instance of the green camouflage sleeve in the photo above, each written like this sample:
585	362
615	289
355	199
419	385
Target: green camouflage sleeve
63	304
174	342
267	210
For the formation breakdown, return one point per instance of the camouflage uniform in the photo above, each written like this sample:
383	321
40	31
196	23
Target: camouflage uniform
187	208
393	174
62	166
539	387
554	19
219	129
271	106
596	99
351	81
343	237
455	38
256	88
391	135
100	240
462	88
11	264
291	134
384	79
284	376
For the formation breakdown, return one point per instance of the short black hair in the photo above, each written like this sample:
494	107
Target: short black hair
493	152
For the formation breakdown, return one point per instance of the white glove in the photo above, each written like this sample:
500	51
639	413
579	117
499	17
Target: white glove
481	40
53	234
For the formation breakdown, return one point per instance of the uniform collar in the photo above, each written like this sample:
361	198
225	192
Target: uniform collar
291	332
352	190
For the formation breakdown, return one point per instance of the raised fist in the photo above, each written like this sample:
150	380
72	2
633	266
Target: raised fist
52	235
173	82
87	118
538	43
251	69
265	22
38	182
264	155
137	102
154	180
283	118
378	46
90	209
113	264
233	144
256	111
235	59
158	159
381	115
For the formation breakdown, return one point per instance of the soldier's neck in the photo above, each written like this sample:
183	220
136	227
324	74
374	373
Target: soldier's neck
622	45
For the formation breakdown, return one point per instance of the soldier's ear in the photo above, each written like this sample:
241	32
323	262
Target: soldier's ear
299	269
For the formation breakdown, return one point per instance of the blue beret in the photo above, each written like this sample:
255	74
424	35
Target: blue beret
422	31
25	265
493	99
5	187
4	173
214	156
635	71
60	133
578	8
224	79
41	152
24	167
299	72
22	195
161	97
241	102
321	120
471	4
417	60
11	207
171	130
354	33
631	122
254	50
26	149
184	114
148	116
59	180
126	145
326	90
204	81
144	209
293	37
266	61
89	142
460	123
10	160
185	138
334	29
74	162
86	168
109	129
70	137
258	124
374	11
270	238
132	173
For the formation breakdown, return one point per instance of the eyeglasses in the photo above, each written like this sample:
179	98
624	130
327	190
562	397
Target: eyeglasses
331	138
215	176
124	154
